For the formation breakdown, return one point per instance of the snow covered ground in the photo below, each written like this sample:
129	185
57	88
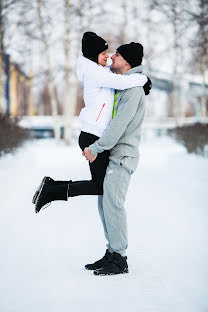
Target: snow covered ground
43	255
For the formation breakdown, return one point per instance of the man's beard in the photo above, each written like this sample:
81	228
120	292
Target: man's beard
113	69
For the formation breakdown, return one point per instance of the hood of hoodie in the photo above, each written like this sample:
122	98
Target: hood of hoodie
135	70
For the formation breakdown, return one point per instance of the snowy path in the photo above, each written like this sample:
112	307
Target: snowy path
43	255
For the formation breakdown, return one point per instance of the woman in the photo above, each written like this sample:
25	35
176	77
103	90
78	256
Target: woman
99	88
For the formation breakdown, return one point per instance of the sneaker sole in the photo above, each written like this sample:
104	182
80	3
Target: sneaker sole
111	273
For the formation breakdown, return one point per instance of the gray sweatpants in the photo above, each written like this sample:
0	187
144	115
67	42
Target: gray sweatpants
111	203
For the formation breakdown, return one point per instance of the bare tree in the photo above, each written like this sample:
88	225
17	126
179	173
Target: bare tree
51	88
67	111
71	83
173	10
149	50
1	27
5	8
125	23
70	90
198	15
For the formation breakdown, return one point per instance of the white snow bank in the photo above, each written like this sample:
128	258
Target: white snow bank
43	255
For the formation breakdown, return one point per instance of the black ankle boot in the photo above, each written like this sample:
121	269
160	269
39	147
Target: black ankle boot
50	192
100	263
116	265
49	181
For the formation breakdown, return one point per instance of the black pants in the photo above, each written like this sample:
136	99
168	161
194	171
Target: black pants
97	168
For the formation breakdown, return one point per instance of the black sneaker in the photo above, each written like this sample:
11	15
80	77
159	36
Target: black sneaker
50	192
116	265
100	263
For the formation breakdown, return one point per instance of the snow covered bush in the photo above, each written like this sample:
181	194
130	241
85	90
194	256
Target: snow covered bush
11	135
193	137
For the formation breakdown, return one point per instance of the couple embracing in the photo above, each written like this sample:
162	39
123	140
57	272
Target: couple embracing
111	122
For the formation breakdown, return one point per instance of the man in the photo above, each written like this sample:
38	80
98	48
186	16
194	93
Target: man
121	138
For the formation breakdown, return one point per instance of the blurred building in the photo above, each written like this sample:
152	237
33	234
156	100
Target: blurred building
178	99
15	89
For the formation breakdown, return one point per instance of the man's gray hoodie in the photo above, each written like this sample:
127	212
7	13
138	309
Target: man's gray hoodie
122	136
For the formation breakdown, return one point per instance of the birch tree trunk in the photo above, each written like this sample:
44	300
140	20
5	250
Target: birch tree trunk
204	57
67	91
2	85
179	98
176	97
49	73
125	21
2	108
204	93
71	84
149	31
174	12
148	50
199	17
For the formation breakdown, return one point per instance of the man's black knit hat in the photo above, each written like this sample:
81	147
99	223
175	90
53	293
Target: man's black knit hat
132	53
93	45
